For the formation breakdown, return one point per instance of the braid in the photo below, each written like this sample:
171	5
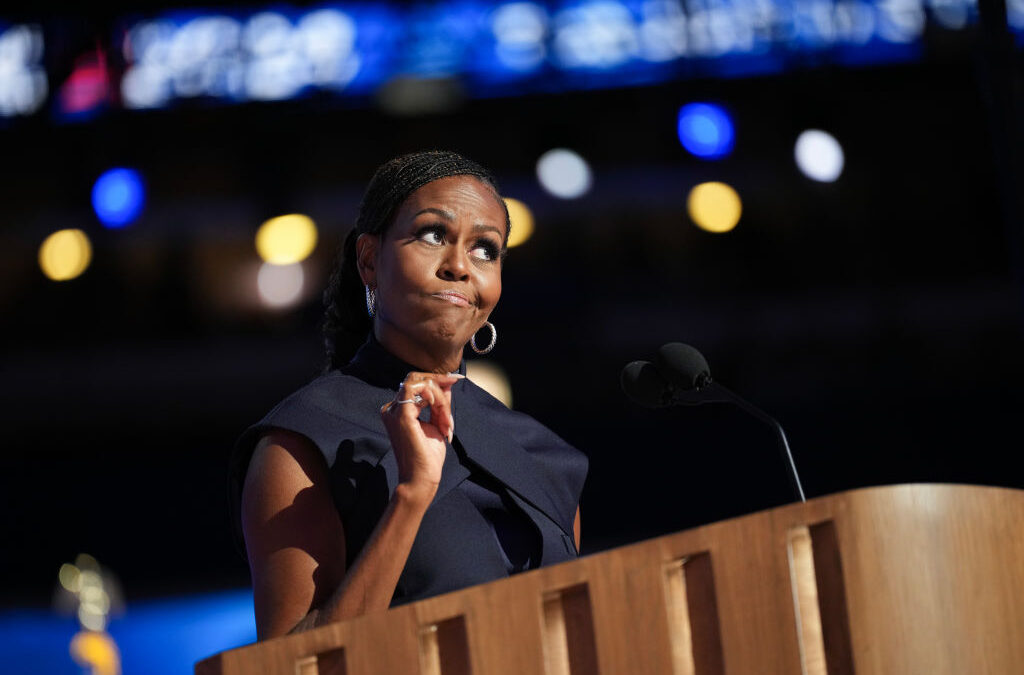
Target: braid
346	323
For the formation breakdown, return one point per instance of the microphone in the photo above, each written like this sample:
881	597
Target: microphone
683	366
680	376
643	383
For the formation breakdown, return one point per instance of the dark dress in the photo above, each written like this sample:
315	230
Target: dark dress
509	486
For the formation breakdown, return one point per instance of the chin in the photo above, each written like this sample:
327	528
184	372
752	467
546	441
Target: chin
447	333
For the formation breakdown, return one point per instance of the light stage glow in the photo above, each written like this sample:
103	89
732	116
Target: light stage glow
118	196
819	155
491	378
521	219
87	88
65	254
563	173
519	31
23	83
280	286
286	239
706	130
714	207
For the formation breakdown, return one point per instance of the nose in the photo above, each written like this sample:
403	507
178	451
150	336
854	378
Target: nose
455	265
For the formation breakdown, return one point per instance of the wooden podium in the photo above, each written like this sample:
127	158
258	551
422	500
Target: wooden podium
909	579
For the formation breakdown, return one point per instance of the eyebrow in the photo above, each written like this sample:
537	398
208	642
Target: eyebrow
447	215
480	227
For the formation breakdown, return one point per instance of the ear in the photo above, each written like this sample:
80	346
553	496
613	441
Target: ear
367	247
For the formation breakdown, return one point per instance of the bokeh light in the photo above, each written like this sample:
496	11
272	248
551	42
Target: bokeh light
280	286
96	651
65	254
94	603
92	592
491	378
70	578
819	155
714	207
706	130
564	173
23	82
519	30
88	86
118	196
286	239
521	219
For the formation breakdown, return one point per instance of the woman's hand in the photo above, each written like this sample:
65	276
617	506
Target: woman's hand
420	446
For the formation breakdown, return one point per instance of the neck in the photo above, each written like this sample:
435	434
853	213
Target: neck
440	359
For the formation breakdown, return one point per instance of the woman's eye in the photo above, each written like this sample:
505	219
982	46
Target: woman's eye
485	250
431	235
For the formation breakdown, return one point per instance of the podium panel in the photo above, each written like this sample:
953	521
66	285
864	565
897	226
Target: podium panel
901	579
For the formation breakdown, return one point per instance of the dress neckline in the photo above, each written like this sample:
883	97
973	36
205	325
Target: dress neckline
375	365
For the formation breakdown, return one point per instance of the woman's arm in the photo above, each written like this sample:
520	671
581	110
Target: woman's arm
294	535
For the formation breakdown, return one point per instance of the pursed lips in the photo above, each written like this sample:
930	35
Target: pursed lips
453	297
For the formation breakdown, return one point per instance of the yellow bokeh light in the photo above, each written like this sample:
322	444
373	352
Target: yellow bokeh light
714	207
65	254
97	651
286	239
521	217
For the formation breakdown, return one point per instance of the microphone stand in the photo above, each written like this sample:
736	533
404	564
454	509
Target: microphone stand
708	391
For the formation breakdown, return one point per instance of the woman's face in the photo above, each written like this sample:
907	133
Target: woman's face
437	270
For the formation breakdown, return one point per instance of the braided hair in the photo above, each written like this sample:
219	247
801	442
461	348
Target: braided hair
346	323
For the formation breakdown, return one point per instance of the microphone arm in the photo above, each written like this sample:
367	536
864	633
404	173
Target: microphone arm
681	377
709	391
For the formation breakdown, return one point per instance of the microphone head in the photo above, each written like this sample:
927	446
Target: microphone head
683	366
642	382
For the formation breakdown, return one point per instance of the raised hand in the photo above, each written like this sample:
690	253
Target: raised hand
420	446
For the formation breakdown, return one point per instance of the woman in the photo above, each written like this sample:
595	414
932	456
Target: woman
392	477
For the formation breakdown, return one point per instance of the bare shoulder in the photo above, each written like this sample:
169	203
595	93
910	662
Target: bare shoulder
287	481
293	533
283	462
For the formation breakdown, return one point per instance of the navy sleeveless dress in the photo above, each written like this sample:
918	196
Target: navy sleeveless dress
509	486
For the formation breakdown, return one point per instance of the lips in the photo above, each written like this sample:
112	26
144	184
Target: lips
453	297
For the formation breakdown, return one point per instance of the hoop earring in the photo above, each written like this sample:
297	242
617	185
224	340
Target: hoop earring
489	347
371	301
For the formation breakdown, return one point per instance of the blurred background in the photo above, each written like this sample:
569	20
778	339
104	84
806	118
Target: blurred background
823	196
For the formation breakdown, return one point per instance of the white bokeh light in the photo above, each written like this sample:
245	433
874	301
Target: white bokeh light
563	173
519	30
280	285
819	155
23	83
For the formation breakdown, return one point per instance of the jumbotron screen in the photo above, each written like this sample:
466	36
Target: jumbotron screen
353	50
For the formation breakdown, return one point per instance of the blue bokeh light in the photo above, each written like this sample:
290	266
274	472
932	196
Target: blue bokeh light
706	130
118	197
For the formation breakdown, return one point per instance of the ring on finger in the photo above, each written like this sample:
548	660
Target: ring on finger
416	400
